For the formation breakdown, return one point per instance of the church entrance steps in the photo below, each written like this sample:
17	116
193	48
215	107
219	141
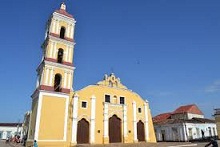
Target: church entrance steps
120	145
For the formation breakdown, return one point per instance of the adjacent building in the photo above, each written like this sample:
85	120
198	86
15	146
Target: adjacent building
103	113
217	119
184	124
10	130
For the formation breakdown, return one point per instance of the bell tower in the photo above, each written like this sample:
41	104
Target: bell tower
51	99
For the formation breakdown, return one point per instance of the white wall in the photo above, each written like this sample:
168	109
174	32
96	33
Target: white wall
182	129
12	130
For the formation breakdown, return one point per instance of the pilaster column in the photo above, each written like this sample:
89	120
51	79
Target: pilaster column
71	31
146	121
54	49
53	26
125	123
106	123
57	27
51	76
67	30
92	121
65	79
46	76
75	114
135	121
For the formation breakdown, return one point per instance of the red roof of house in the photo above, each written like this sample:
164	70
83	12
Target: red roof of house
161	117
182	109
61	11
188	109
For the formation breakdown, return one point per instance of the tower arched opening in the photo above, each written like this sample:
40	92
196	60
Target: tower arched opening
57	83
60	55
62	32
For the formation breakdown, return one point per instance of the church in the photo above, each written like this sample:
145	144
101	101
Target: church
102	113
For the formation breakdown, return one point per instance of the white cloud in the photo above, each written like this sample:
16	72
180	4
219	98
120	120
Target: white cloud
215	87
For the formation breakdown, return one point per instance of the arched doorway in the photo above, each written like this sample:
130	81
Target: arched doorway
140	131
83	132
114	129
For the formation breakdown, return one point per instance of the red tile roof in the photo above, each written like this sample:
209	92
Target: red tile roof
161	117
182	109
188	109
61	11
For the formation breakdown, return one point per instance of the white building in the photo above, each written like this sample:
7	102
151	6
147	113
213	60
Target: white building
184	124
10	129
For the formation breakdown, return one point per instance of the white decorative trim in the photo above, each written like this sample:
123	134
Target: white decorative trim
65	79
51	76
75	114
52	94
62	41
66	119
71	32
135	121
125	121
57	26
54	50
63	17
70	53
105	120
67	53
146	122
53	25
67	30
39	106
47	75
61	66
92	128
69	80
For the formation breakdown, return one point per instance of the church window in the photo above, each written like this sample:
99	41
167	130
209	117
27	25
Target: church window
139	110
62	32
57	83
60	55
84	104
107	98
122	100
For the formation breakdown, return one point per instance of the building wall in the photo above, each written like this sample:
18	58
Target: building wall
114	108
217	120
9	131
183	131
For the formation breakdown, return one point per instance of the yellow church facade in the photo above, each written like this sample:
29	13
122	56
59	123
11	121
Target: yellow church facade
103	113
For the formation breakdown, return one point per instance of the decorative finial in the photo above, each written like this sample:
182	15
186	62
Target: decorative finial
63	6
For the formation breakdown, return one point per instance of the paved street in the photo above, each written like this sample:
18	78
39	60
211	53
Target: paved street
3	144
159	144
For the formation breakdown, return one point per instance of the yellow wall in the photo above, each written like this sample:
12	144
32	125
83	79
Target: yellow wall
99	92
52	118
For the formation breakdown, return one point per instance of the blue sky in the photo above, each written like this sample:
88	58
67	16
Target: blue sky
167	51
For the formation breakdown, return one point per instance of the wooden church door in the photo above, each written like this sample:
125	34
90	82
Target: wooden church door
140	131
114	129
83	132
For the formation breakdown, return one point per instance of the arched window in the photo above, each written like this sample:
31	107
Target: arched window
62	32
57	82
60	55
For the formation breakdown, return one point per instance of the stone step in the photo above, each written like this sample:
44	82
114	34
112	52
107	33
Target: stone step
120	145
